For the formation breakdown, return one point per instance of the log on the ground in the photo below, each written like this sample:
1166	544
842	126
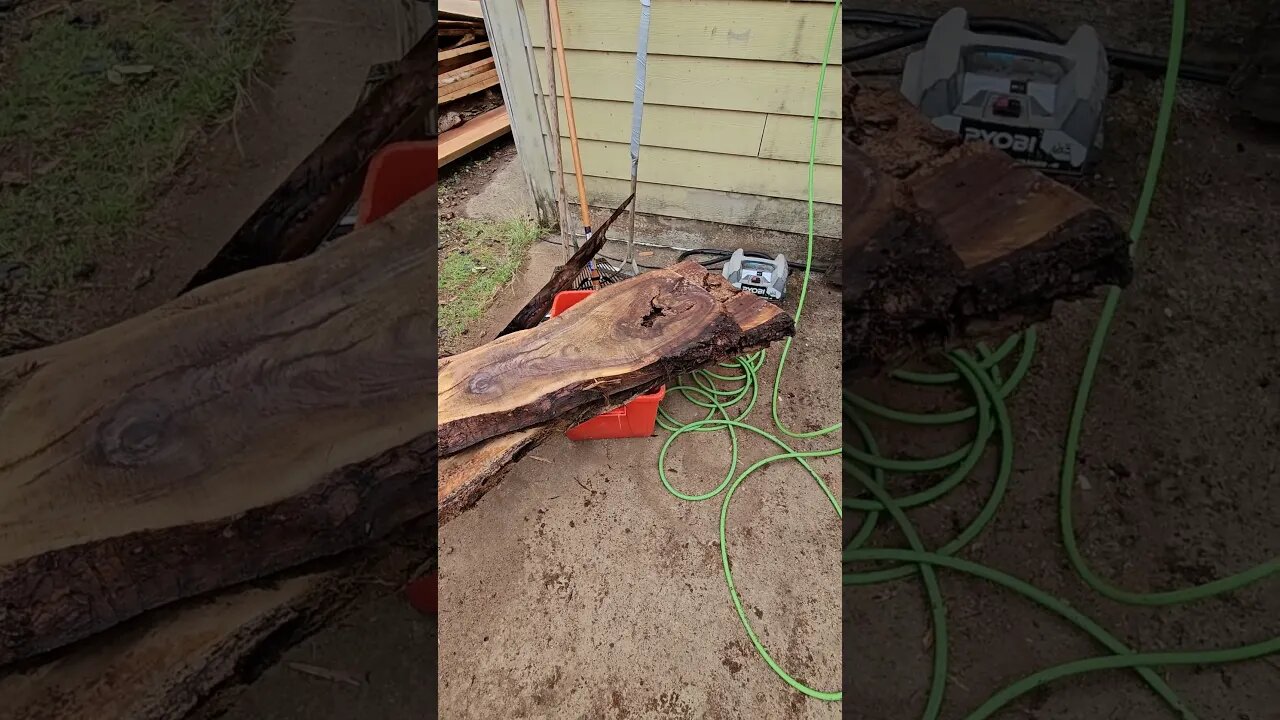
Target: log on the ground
275	417
467	475
945	240
191	658
465	478
622	338
564	276
162	665
305	208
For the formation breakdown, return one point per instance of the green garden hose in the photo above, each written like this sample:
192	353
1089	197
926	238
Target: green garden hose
982	378
703	389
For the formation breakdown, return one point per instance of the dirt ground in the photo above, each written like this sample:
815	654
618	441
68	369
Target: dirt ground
1180	458
580	588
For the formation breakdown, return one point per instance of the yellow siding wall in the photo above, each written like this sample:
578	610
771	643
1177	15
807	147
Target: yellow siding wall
728	106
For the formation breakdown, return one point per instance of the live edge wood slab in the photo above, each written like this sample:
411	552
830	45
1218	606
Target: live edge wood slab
275	417
945	240
189	660
189	655
563	277
499	400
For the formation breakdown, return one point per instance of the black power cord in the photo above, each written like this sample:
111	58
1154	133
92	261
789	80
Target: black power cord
918	28
1000	25
719	257
616	262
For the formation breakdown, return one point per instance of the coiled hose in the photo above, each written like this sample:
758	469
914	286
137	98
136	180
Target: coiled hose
983	379
720	392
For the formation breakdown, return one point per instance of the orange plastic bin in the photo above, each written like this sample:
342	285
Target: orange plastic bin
635	419
398	172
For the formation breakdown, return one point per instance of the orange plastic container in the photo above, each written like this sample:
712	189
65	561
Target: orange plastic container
635	419
398	172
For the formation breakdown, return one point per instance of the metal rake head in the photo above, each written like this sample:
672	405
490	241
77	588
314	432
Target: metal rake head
597	274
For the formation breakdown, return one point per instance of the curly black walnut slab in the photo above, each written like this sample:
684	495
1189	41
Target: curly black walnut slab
278	416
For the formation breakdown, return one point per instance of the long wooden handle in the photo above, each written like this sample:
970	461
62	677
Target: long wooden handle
583	209
553	117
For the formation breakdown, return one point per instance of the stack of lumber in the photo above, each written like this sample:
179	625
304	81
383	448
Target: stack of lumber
466	70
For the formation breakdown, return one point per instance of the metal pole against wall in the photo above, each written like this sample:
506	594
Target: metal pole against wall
637	114
548	122
553	114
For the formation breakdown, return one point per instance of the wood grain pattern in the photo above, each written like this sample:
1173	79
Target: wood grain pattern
625	337
472	134
278	416
945	240
470	86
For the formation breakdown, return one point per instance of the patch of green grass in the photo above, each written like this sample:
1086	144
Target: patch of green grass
479	259
101	151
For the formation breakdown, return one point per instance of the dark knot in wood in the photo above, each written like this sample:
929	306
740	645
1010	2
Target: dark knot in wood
656	310
481	384
134	433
